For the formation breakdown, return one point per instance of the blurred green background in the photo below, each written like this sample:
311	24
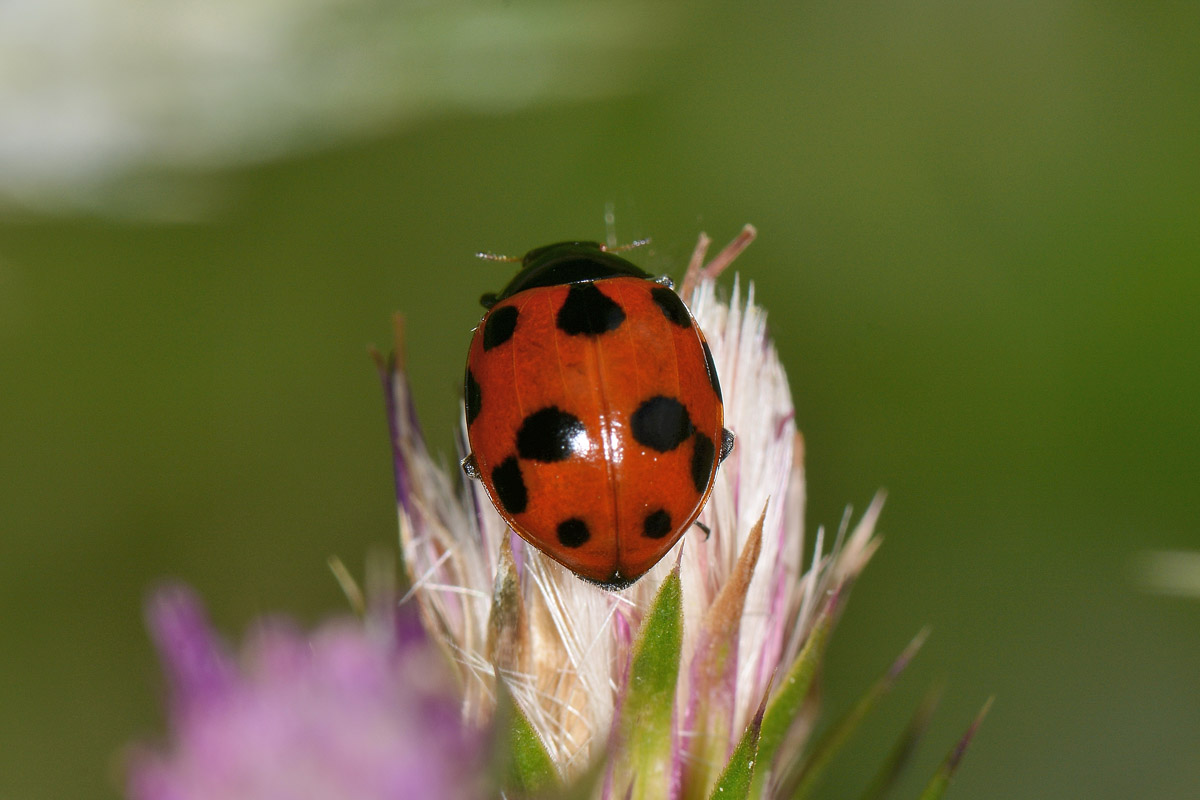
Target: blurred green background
980	249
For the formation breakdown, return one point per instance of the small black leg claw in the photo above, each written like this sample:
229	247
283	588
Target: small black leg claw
470	467
727	439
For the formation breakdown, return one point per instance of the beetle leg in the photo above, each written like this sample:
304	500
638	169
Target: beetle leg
470	467
727	439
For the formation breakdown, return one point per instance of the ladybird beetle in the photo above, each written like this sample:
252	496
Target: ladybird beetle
594	412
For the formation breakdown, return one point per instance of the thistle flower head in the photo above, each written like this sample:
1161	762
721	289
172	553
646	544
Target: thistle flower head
568	652
693	682
352	710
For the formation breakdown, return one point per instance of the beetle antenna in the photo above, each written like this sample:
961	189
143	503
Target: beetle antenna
623	248
486	256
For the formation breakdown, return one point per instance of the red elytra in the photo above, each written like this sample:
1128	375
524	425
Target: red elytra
594	411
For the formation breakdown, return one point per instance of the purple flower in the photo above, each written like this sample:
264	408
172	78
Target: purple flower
359	709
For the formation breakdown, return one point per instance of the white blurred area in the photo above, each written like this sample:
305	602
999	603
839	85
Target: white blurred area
1170	572
102	101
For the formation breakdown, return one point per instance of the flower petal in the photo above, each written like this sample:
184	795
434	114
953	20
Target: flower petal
707	734
508	624
194	658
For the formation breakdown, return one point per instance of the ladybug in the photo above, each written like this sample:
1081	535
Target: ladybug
594	413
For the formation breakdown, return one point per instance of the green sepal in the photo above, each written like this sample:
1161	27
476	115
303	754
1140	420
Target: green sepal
941	779
525	765
906	744
644	760
785	706
738	776
833	740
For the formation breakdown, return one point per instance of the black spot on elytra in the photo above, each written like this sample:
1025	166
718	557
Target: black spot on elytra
573	532
703	461
474	397
499	326
657	525
661	423
712	372
549	435
671	306
510	486
587	311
